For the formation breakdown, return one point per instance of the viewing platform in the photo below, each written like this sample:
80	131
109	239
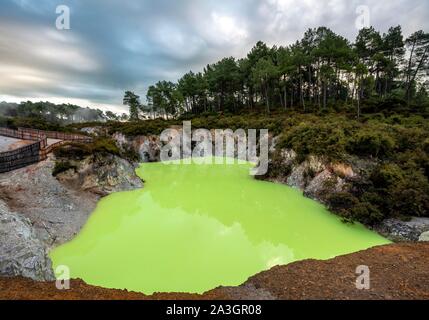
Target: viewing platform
22	147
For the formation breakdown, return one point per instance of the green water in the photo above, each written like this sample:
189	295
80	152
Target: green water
195	227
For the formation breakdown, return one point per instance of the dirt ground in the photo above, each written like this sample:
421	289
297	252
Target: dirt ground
398	271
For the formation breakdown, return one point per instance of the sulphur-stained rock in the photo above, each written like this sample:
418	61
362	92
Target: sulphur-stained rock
120	139
343	170
102	175
302	174
424	237
322	184
96	131
147	147
288	157
296	178
22	253
399	230
315	164
315	176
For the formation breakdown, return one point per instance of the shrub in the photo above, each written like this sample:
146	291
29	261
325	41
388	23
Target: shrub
76	151
351	209
371	196
408	138
386	175
104	145
366	213
426	145
410	202
323	139
410	196
371	143
79	151
342	202
37	123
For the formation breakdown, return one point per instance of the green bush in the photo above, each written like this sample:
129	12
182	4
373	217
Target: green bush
351	209
323	139
35	123
400	192
410	202
426	145
71	150
342	202
104	145
371	143
79	151
410	196
375	198
408	138
275	123
276	168
386	175
365	212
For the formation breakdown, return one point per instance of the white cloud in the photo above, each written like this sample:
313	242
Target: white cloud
115	46
68	57
225	28
175	42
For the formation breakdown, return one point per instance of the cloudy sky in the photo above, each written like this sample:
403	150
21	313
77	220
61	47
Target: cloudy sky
117	45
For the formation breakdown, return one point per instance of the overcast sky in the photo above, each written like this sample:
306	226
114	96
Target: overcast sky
118	45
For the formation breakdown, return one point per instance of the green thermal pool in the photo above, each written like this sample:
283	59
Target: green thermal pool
195	227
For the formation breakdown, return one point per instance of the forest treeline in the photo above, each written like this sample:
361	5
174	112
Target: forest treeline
322	70
56	113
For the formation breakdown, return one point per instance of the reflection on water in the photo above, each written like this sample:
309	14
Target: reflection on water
195	227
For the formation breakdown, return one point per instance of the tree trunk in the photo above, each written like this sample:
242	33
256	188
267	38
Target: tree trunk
318	84
309	84
267	101
324	94
421	62
281	99
408	82
301	92
285	97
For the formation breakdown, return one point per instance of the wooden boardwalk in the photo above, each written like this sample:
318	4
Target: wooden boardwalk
43	142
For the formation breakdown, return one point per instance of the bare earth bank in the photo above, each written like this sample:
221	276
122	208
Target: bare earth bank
398	271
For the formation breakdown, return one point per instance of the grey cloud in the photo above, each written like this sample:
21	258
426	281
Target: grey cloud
119	45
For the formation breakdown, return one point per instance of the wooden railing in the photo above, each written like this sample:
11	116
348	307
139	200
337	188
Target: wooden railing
22	157
24	135
44	152
58	135
34	152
